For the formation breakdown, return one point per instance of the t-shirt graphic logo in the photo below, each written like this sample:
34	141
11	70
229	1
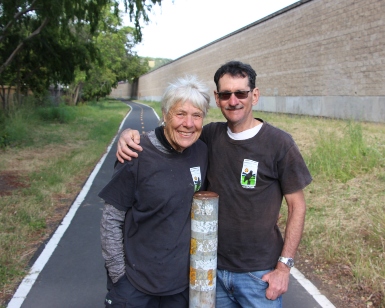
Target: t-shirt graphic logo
249	173
196	176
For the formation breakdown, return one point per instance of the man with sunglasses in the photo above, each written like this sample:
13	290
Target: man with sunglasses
252	166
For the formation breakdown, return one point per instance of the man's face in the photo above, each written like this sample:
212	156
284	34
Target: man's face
237	111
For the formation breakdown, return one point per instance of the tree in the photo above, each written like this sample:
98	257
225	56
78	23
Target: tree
38	14
44	42
115	61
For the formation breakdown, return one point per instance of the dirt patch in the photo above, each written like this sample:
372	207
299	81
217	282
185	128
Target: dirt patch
10	181
335	282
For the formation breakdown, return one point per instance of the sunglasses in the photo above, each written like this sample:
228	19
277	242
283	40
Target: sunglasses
238	94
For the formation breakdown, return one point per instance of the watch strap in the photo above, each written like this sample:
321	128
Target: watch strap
287	261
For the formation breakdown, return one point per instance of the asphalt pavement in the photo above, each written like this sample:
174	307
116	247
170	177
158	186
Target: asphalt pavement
69	272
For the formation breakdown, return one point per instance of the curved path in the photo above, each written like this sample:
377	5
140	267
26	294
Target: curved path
69	271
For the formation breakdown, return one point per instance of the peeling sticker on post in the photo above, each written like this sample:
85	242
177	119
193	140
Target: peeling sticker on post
210	276
193	275
193	246
204	226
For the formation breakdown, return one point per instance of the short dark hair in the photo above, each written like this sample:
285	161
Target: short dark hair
234	69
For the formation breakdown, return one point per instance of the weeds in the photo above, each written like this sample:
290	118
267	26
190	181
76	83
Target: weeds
345	221
51	151
343	157
60	114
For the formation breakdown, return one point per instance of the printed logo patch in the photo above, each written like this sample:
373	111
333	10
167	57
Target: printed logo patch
197	178
249	173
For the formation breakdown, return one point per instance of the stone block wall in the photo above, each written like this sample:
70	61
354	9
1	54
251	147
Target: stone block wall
123	90
315	57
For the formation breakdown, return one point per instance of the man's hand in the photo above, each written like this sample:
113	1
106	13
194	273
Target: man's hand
129	138
278	281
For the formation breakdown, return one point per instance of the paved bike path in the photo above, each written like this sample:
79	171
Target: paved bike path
70	270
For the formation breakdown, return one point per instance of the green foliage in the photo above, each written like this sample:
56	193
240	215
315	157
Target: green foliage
4	141
157	62
61	114
137	10
18	125
343	156
16	128
45	42
116	61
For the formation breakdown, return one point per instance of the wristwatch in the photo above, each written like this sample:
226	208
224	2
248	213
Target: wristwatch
287	261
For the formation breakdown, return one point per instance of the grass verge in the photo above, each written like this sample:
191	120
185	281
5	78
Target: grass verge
343	245
51	152
344	239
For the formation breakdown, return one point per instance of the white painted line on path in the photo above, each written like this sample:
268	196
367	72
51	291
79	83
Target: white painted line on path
311	289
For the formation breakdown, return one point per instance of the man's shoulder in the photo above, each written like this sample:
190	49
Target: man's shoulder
276	132
214	127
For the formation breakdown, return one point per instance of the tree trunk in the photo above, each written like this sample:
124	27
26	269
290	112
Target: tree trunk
21	45
3	98
75	96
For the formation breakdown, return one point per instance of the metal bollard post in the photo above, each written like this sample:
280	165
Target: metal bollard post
203	249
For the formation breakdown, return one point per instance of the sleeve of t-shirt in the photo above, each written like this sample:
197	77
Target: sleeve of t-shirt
210	131
293	172
204	133
120	191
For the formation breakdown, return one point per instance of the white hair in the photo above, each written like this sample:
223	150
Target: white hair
188	88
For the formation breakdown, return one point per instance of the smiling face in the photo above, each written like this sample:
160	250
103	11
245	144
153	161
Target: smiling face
183	125
238	112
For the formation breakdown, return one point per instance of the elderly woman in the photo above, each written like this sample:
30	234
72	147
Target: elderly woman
145	228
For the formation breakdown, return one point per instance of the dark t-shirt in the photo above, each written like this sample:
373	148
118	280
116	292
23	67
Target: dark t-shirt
156	192
251	176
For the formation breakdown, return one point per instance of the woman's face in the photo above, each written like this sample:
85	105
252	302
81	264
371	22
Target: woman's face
183	125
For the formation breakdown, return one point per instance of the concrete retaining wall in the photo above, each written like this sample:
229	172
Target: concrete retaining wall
123	90
315	57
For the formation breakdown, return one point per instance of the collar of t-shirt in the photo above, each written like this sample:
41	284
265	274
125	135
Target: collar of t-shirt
159	133
246	134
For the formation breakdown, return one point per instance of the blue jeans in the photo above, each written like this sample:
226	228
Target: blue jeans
235	290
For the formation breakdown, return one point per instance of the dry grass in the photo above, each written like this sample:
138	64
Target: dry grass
344	237
38	183
342	250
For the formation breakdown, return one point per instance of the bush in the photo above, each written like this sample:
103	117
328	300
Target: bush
61	114
17	125
16	128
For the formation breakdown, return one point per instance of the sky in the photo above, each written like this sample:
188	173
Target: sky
178	27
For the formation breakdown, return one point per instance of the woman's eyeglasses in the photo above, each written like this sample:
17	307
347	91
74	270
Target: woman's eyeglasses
238	94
